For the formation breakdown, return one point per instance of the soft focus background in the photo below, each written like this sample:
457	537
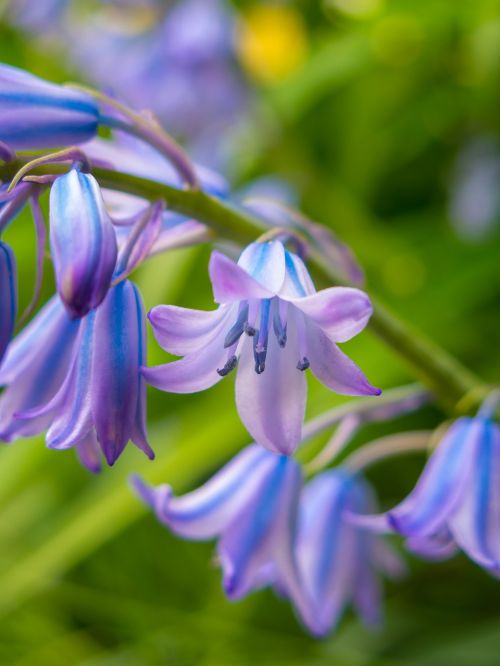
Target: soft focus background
381	120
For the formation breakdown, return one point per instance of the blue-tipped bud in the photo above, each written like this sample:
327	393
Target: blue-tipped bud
36	114
82	240
8	296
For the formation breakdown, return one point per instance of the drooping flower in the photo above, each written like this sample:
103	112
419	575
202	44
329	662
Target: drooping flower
8	296
34	368
272	324
103	397
250	506
456	501
36	114
339	562
83	242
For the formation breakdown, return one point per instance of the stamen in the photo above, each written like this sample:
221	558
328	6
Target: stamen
260	341
303	364
238	328
280	321
253	311
230	364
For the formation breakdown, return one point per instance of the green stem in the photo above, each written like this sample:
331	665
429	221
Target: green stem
442	373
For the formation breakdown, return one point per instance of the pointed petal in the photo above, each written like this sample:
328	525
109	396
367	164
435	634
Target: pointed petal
441	485
272	404
34	368
260	537
333	368
139	435
70	407
265	262
327	548
341	312
117	352
196	371
232	283
182	331
206	512
475	524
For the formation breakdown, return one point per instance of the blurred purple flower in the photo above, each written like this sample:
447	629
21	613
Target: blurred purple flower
178	63
250	506
103	397
35	114
269	296
474	196
82	240
34	368
338	561
42	15
8	296
456	501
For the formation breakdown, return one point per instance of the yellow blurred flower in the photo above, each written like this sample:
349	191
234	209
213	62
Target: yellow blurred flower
272	42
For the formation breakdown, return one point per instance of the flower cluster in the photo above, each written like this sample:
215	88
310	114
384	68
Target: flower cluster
78	370
274	531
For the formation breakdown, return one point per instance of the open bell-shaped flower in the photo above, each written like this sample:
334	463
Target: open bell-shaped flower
82	240
456	501
272	324
36	114
34	368
250	506
8	296
102	401
340	562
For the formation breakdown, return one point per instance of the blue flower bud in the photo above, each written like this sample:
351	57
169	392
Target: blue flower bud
82	240
36	114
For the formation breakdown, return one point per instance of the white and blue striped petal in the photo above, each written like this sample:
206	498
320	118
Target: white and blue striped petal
82	240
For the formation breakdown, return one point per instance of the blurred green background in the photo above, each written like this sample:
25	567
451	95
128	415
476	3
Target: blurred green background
384	119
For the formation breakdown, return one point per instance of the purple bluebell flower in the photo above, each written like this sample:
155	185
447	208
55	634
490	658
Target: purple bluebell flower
456	501
103	396
34	368
8	296
272	324
83	242
250	506
35	114
339	562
